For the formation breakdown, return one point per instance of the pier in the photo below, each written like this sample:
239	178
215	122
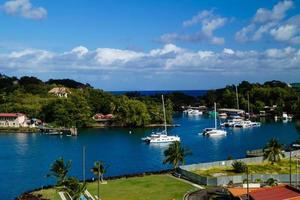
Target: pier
69	131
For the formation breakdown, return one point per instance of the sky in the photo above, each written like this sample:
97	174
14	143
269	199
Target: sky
149	44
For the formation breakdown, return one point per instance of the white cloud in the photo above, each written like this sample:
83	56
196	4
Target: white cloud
168	59
284	33
228	51
24	8
208	22
198	18
272	24
277	13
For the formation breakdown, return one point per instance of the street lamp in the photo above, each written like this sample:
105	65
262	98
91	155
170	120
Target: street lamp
83	162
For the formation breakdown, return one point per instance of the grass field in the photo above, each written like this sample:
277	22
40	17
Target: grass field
282	167
158	187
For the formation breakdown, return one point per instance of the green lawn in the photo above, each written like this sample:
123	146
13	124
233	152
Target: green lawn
158	187
282	167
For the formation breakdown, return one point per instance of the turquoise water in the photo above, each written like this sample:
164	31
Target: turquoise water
25	158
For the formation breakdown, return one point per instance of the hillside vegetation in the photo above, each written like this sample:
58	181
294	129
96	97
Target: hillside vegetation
30	95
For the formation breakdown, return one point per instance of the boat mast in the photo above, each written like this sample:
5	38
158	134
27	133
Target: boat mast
165	120
248	104
237	97
215	115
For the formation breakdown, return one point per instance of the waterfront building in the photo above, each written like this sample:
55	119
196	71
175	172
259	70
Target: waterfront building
60	91
13	120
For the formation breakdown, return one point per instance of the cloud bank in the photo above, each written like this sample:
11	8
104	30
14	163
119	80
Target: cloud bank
168	59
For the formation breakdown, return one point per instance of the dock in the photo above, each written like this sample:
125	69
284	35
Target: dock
61	130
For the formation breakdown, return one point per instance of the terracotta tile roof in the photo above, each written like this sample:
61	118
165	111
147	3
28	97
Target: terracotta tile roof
10	114
274	193
237	192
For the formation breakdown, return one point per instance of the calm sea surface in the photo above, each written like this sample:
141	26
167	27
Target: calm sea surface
25	158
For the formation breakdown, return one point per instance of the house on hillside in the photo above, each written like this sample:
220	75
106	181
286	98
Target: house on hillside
60	91
102	117
13	120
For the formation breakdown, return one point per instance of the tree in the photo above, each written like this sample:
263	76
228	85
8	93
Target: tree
99	170
239	166
59	169
74	187
273	151
175	154
272	182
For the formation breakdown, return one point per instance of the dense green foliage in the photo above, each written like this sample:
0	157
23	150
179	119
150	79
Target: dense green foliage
270	93
239	166
30	95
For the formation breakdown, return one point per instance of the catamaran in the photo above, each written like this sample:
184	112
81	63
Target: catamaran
162	137
213	131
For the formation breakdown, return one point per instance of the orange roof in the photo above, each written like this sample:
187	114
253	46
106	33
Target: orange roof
275	193
237	192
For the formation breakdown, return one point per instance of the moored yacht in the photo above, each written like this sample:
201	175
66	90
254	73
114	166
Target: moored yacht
162	137
213	131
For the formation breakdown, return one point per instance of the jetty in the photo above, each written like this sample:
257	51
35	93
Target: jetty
69	131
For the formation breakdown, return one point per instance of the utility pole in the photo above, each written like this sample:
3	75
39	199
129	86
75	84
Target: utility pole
237	97
248	183
83	162
290	167
297	173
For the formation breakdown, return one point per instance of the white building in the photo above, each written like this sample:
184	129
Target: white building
13	120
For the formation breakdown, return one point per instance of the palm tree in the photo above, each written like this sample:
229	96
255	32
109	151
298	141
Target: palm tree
99	170
273	151
175	154
74	187
59	169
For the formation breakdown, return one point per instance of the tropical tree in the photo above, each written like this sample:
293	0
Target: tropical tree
273	151
239	166
59	169
74	187
175	154
99	170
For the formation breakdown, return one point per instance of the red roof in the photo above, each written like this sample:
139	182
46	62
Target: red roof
274	193
10	114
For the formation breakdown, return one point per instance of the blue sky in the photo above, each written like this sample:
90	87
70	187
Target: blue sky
150	45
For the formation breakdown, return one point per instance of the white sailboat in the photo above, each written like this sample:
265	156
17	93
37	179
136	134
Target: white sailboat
213	131
162	137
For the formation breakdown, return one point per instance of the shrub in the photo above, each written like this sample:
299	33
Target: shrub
239	166
271	182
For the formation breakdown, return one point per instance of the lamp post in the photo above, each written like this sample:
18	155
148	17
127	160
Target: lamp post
83	162
290	167
297	173
247	183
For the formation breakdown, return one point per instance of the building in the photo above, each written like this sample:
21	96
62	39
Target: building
60	91
281	192
13	120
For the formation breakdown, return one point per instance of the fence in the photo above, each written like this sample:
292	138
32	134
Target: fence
186	171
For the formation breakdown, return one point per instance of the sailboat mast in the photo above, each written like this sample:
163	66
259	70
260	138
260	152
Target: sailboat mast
248	104
165	120
215	115
237	97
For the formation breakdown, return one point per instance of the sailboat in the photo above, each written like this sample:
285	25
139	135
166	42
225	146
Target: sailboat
213	131
162	137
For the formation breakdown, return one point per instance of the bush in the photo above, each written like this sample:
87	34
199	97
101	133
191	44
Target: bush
239	166
272	182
